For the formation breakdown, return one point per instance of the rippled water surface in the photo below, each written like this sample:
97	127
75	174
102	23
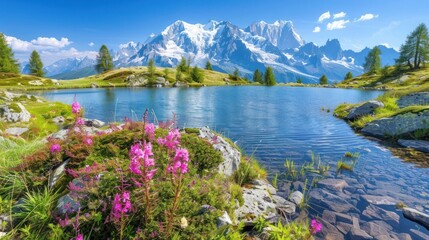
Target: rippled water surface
272	123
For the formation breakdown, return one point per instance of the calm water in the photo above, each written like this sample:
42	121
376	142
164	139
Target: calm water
273	123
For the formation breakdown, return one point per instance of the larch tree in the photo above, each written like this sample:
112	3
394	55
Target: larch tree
104	60
7	61
257	77
323	80
209	66
415	50
373	61
36	64
270	79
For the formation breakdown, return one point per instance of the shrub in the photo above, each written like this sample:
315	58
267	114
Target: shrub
247	171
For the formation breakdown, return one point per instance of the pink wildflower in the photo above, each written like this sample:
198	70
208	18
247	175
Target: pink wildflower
80	121
315	226
172	139
55	148
139	157
75	107
79	236
150	131
121	205
87	141
180	162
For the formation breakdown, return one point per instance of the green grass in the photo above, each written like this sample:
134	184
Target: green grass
12	151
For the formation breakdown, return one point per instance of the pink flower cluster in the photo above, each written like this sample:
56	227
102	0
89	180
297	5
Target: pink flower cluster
76	107
142	156
171	141
80	121
87	141
149	129
180	162
55	148
121	205
315	226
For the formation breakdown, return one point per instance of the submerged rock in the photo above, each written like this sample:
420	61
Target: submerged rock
419	145
358	234
378	213
379	200
324	199
364	109
399	125
416	216
333	184
420	98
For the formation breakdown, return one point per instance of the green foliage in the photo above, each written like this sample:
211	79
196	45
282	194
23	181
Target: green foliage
209	66
166	72
36	65
197	75
257	77
415	50
104	60
299	80
119	75
182	66
292	230
8	63
247	171
372	61
13	151
269	78
151	70
236	193
348	76
178	74
323	80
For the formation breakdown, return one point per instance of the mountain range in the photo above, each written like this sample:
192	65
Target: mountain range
228	46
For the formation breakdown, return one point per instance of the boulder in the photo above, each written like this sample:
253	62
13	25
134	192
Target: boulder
160	80
333	184
231	155
180	84
59	119
94	123
223	220
364	109
15	115
296	197
16	131
416	216
62	134
399	125
136	80
420	98
419	145
379	200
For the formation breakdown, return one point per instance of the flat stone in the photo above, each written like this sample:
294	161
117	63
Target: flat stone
379	200
358	234
333	184
420	98
296	197
416	216
377	228
344	227
324	199
329	231
378	213
16	131
419	145
364	109
418	235
264	185
404	236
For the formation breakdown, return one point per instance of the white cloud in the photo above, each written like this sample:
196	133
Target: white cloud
316	29
339	15
91	44
50	49
367	17
340	24
324	16
51	42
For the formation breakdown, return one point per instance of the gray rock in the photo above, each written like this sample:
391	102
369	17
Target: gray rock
418	235
333	184
5	222
9	115
94	123
136	80
16	131
324	199
379	200
67	204
206	208
59	119
160	80
57	173
399	125
358	234
329	232
62	134
264	185
296	197
364	109
180	84
35	83
378	213
420	98
223	220
231	155
377	228
416	216
94	85
419	145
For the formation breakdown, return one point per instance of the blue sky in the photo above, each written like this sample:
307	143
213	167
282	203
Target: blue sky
66	28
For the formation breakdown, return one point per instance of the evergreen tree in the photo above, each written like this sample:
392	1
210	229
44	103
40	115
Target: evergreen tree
257	77
197	75
270	79
178	74
151	69
36	65
209	66
348	76
372	61
415	50
299	80
7	60
182	66
235	75
323	80
104	60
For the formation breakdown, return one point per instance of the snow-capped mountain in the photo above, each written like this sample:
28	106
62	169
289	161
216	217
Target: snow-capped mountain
125	52
68	64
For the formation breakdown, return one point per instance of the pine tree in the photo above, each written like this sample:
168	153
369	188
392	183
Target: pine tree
7	60
235	75
209	66
197	75
257	77
178	74
323	80
36	65
299	80
104	60
182	66
151	69
270	79
348	76
415	50
372	61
